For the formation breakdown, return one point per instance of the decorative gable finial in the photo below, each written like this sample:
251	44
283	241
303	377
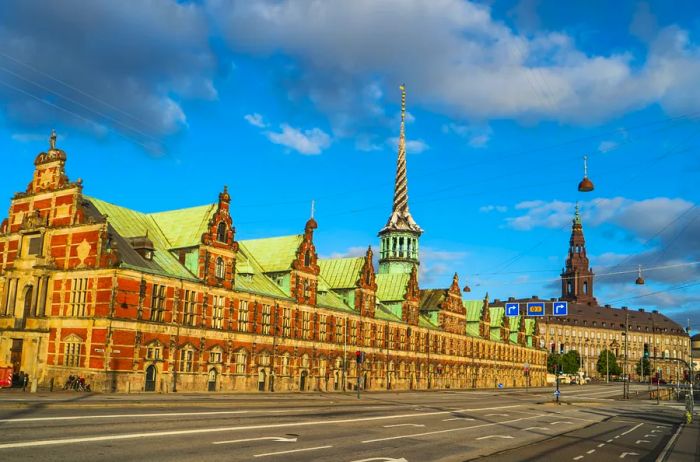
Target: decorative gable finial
52	139
312	207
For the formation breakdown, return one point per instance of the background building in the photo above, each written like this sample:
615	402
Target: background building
590	328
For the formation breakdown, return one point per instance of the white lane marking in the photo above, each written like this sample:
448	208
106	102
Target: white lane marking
642	441
498	415
649	435
279	439
622	456
669	445
457	418
591	451
609	441
656	431
631	429
601	445
578	457
616	437
404	425
290	451
381	459
561	422
160	414
505	437
437	432
126	436
535	428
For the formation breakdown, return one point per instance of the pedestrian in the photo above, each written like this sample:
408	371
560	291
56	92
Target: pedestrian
25	381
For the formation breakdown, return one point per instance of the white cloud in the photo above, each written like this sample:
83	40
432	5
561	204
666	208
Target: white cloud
493	208
472	66
478	136
355	251
412	146
438	266
607	145
311	141
255	120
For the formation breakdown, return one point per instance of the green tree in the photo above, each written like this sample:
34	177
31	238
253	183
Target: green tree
553	362
610	366
647	367
571	362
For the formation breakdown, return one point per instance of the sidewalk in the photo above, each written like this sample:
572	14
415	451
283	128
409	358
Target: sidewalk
686	447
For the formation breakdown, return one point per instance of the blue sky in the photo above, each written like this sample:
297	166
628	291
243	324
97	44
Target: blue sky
158	106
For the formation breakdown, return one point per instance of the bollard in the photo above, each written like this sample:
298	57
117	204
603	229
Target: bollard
51	384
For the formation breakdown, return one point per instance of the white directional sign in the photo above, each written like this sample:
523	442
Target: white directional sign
560	308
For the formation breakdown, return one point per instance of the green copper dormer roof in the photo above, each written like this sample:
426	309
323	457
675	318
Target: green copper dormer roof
251	278
274	254
497	314
392	287
184	227
473	309
385	314
430	299
341	273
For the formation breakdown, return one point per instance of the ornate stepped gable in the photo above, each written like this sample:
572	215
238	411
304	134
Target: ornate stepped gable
451	313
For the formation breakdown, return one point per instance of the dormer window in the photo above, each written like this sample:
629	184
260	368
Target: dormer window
220	268
221	232
143	245
307	258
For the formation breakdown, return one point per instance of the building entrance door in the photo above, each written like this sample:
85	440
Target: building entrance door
212	379
302	381
150	378
16	354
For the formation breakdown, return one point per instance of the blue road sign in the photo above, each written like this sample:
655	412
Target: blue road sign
500	385
535	309
512	309
560	308
557	393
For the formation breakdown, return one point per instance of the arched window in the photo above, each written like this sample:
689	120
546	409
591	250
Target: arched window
307	258
569	287
585	287
221	232
220	268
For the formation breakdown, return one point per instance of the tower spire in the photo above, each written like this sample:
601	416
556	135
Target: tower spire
401	182
577	276
399	237
401	218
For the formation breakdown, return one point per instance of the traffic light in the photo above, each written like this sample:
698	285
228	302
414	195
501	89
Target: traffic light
646	350
360	356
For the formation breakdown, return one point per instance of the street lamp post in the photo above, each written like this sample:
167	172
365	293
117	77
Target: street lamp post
625	393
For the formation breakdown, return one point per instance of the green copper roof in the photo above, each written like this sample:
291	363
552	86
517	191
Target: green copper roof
184	227
274	254
391	287
130	223
384	313
328	298
496	313
341	273
425	321
473	309
514	324
430	299
250	277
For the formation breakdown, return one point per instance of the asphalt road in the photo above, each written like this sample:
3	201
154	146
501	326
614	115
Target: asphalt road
497	425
